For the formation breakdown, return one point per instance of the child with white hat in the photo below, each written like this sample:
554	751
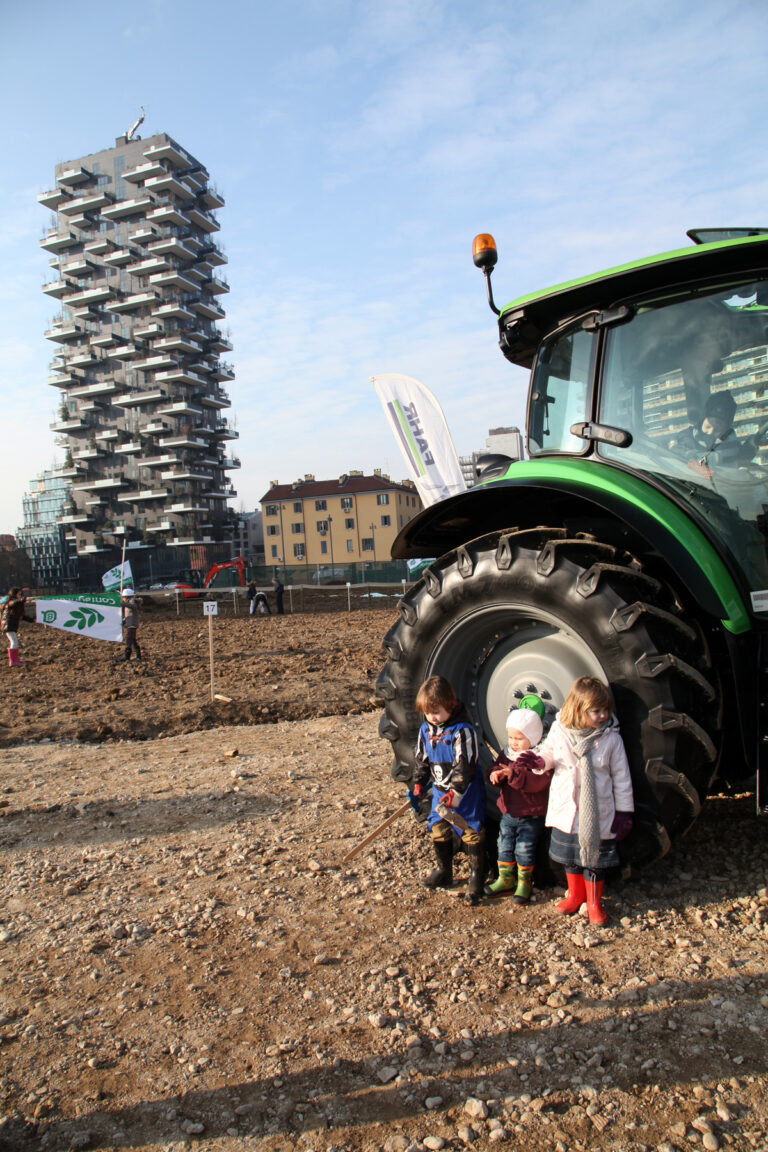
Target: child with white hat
523	780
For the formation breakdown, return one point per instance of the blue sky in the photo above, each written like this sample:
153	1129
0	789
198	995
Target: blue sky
360	146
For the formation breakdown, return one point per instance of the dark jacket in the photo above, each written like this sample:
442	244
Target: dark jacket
525	792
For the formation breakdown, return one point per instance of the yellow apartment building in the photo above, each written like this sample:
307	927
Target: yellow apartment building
336	522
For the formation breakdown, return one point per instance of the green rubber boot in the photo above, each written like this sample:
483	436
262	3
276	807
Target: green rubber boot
505	882
524	885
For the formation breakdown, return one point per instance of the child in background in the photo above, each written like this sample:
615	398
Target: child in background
447	754
524	781
590	800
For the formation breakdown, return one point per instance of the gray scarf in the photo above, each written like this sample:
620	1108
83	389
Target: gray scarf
582	741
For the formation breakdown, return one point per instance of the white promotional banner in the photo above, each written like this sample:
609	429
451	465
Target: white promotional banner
420	429
118	577
98	616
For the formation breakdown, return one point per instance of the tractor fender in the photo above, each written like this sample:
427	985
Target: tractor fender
528	496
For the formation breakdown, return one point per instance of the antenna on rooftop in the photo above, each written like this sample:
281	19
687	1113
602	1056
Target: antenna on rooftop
135	126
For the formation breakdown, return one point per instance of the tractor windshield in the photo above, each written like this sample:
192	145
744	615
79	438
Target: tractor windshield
687	376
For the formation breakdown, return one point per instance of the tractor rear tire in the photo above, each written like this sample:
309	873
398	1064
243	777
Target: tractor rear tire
531	610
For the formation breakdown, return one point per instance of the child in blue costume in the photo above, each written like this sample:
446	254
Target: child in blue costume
447	755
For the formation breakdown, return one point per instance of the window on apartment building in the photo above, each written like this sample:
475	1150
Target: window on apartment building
273	529
320	505
273	552
270	509
350	545
366	544
298	551
346	503
297	529
297	506
322	526
382	497
349	522
386	521
324	546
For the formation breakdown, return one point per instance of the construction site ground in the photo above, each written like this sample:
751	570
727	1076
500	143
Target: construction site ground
186	961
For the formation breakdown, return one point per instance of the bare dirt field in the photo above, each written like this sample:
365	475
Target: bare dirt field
186	963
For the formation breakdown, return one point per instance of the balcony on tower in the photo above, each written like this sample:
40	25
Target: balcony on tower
104	484
171	246
136	300
57	288
174	309
179	376
146	171
179	343
185	440
216	285
91	202
168	183
74	175
180	408
145	266
79	265
54	198
168	214
155	361
138	203
207	306
92	391
89	296
212	199
119	256
140	495
56	241
173	279
61	331
203	219
223	430
223	371
171	152
136	399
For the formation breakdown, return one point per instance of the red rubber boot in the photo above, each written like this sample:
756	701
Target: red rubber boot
577	894
595	910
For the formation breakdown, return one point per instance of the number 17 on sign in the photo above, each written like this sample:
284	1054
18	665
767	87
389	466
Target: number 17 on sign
210	609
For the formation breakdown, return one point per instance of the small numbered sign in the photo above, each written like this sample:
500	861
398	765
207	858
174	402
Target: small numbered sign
210	608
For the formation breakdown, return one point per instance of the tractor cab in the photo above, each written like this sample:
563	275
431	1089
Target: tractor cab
661	369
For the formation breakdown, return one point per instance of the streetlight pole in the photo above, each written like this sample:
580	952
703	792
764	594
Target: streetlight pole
373	538
330	536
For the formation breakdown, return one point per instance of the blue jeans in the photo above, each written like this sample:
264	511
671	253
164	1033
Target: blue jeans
518	837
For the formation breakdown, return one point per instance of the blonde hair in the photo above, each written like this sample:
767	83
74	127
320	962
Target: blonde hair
587	692
435	692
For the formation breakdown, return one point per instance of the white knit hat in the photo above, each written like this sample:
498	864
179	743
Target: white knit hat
528	722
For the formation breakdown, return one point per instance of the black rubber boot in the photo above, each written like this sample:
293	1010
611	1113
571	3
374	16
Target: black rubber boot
476	854
442	877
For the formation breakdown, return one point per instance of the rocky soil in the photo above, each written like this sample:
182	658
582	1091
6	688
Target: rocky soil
186	961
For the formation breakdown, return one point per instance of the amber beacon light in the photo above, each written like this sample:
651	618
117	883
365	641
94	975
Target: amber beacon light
485	256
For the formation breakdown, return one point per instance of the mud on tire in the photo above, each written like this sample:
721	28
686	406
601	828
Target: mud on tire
531	610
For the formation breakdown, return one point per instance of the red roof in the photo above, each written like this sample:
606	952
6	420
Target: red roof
343	486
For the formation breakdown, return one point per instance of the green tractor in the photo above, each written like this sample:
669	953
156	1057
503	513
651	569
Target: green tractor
631	545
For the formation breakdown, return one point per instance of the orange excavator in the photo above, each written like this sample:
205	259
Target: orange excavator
192	583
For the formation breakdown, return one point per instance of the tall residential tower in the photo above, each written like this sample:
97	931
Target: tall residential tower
138	364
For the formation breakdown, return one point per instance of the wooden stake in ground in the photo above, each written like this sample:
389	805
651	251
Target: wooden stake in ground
376	832
211	609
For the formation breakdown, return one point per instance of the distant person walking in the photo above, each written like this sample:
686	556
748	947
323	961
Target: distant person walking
251	594
130	623
278	587
10	618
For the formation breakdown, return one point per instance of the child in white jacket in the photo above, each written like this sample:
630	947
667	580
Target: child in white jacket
590	798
